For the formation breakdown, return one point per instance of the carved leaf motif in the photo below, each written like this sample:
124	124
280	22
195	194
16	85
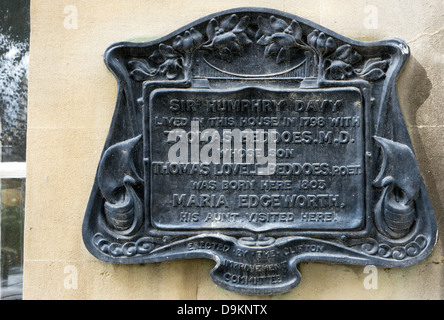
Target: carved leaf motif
279	38
375	63
374	69
297	30
347	54
272	49
197	37
312	38
336	63
236	49
157	57
185	43
139	75
355	58
374	75
278	25
141	69
265	40
224	39
243	39
341	64
229	22
343	52
229	38
284	40
169	60
264	26
168	51
330	46
242	25
172	68
211	29
339	70
320	43
283	55
190	40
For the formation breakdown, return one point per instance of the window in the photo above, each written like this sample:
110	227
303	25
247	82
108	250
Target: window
14	61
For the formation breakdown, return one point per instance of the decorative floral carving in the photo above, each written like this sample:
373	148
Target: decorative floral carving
141	69
279	38
169	61
285	40
229	37
129	249
321	44
374	69
339	65
400	252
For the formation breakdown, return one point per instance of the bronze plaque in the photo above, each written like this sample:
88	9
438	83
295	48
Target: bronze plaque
258	139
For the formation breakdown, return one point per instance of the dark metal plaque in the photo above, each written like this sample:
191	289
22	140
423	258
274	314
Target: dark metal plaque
260	140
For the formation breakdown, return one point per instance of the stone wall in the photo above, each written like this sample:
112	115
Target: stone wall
72	97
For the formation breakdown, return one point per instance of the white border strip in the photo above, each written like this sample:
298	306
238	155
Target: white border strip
12	170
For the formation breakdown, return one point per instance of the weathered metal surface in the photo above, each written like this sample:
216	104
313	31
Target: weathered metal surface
322	169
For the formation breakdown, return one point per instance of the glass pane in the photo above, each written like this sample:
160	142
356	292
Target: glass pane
11	238
14	61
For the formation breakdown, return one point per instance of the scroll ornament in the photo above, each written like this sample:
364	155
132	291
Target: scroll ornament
118	177
400	179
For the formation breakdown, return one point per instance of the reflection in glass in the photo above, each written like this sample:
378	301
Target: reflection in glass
11	237
14	61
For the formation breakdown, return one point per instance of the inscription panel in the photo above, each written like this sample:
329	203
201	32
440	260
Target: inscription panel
315	177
